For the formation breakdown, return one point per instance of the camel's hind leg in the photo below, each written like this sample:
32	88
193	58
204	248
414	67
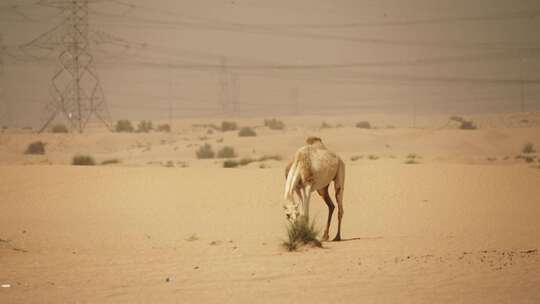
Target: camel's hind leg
324	194
339	200
339	185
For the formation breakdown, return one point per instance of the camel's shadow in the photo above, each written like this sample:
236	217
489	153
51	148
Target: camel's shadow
366	238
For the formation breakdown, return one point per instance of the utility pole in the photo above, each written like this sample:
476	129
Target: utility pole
76	88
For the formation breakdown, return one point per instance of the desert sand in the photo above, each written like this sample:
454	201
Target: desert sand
462	225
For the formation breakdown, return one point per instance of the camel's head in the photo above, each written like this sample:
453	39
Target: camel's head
313	140
291	212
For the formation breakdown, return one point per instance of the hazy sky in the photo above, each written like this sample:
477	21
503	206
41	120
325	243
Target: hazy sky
282	57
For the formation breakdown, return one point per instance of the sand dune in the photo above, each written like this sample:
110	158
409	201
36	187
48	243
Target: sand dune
453	228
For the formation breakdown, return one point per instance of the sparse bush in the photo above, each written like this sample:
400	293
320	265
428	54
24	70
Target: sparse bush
457	118
83	160
467	125
228	126
246	161
144	126
164	128
230	163
325	125
356	157
226	152
205	152
363	125
301	232
528	148
59	128
110	161
169	164
411	159
373	157
270	157
274	124
246	132
124	126
36	148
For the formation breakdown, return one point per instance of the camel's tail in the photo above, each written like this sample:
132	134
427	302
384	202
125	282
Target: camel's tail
292	179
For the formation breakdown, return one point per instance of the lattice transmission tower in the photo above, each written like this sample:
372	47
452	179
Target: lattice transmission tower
75	86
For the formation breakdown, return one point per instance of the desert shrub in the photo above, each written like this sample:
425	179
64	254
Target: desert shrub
59	128
301	232
363	125
124	126
270	157
373	157
356	157
467	125
325	125
246	131
205	152
228	126
246	161
110	161
274	124
230	163
457	118
37	147
83	160
411	159
226	152
4	127
528	148
144	126
169	164
164	128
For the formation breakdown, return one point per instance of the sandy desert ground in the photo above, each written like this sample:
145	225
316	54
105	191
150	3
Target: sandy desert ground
460	226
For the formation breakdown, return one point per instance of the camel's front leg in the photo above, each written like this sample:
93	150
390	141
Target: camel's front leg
306	193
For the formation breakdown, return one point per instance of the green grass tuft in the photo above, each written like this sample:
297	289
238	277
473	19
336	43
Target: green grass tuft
301	233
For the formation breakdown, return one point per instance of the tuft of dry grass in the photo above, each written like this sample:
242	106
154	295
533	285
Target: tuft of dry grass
228	126
145	126
35	148
226	152
205	152
124	126
356	157
301	233
528	148
110	161
166	128
274	124
247	132
412	159
59	128
83	160
230	163
363	125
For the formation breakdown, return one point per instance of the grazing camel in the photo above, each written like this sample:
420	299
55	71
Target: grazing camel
313	168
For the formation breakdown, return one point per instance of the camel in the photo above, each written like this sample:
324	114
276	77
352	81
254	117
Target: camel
313	168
